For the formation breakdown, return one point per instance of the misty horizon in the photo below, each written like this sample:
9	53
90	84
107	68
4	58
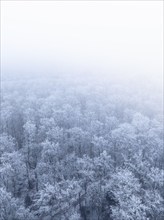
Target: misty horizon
116	38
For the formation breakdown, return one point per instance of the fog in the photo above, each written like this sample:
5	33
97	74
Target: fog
108	39
81	117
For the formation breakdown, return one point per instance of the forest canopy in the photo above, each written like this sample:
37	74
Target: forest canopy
81	148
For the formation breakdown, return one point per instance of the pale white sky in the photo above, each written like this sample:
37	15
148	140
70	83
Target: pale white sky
91	36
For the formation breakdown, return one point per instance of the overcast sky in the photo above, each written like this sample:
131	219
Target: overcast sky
86	37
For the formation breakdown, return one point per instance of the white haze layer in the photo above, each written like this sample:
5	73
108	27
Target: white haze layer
103	38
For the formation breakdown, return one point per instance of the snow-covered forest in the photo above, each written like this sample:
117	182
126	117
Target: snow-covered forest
81	148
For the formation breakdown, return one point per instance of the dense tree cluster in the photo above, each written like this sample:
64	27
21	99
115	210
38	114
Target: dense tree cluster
80	149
